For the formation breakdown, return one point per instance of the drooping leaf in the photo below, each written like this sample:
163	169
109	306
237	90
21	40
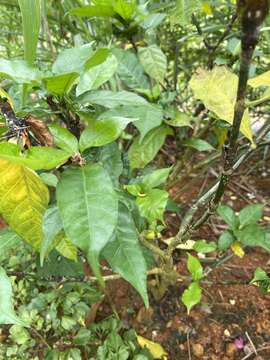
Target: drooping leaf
19	71
102	132
154	62
140	154
52	225
60	84
23	201
217	89
250	214
125	255
72	60
89	209
36	158
130	69
199	144
110	99
192	296
96	76
31	15
194	267
154	348
64	139
7	313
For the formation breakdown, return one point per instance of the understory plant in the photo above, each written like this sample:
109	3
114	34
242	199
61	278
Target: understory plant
84	132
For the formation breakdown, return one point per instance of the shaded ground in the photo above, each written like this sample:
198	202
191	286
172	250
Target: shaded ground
231	308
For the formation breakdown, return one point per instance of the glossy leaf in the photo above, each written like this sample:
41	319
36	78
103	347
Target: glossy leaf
7	313
93	11
64	139
60	84
19	71
110	99
124	253
36	158
23	201
89	209
130	69
154	62
217	89
140	154
31	16
72	60
194	267
250	214
192	296
102	132
96	76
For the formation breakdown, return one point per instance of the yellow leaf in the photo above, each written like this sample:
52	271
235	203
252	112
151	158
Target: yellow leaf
237	249
23	201
155	349
261	80
217	89
4	94
65	247
206	8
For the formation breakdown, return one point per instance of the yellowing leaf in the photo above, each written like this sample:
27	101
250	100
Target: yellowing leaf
206	8
4	94
65	247
23	201
237	249
155	349
217	89
261	80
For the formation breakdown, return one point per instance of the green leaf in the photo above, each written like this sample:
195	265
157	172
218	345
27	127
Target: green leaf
181	119
261	80
19	71
124	253
156	178
110	99
23	201
201	246
140	154
250	214
99	57
31	15
7	313
65	247
130	70
8	240
217	89
253	235
183	11
72	60
52	225
260	275
96	76
111	158
60	84
93	11
199	144
154	62
192	296
152	205
102	132
228	215
49	179
153	20
125	9
64	139
225	240
194	267
36	158
89	209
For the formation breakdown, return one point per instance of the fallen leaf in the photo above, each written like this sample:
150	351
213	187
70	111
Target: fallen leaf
155	349
237	249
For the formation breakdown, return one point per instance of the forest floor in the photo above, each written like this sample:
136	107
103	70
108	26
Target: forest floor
232	311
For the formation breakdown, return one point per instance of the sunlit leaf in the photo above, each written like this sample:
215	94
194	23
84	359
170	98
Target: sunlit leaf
155	349
60	84
192	296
